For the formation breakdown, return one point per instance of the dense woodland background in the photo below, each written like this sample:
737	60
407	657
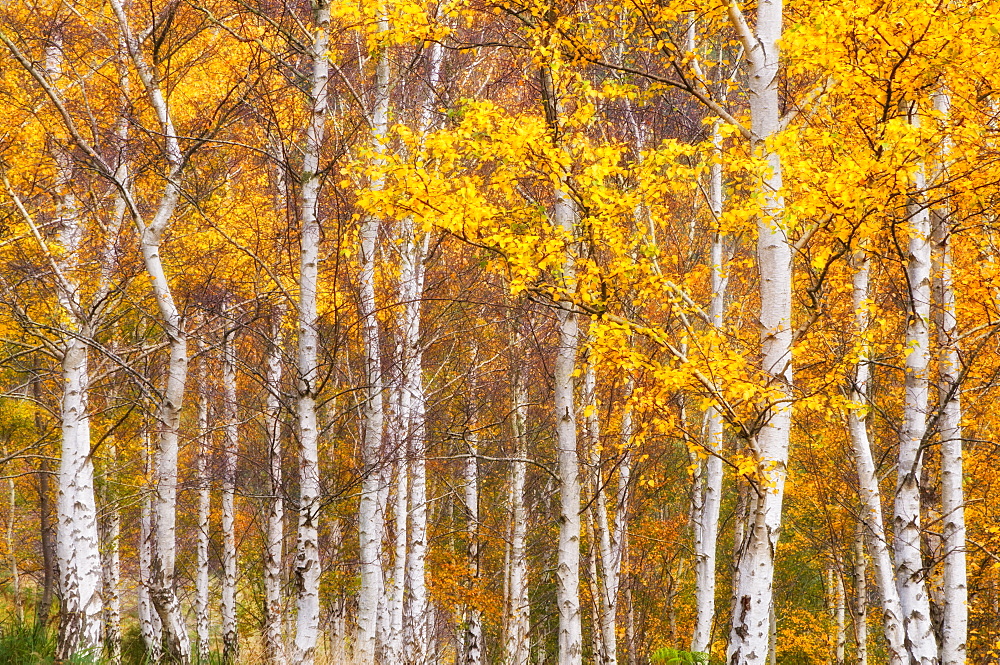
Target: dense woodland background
491	331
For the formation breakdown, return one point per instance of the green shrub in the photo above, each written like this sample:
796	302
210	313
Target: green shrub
668	656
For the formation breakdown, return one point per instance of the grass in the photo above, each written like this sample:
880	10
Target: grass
24	642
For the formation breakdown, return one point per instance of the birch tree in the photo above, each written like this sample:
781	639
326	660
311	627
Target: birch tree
860	598
307	562
201	607
230	640
149	621
274	641
517	647
708	487
748	639
168	415
871	520
473	619
568	567
921	642
954	627
411	288
370	515
77	537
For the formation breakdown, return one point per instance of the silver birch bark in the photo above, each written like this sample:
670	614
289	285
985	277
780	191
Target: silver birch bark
710	471
630	632
417	620
112	570
417	623
871	498
397	436
394	641
748	643
608	537
600	539
201	609
162	558
517	648
149	621
568	565
954	624
570	636
390	628
112	577
370	517
168	413
230	640
741	517
593	581
473	619
15	575
913	598
838	607
619	530
274	642
772	636
77	537
414	249
307	561
860	598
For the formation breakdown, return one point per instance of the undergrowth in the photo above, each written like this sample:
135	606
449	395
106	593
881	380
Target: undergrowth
24	642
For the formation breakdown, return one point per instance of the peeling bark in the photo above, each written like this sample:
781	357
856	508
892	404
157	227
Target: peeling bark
274	642
307	561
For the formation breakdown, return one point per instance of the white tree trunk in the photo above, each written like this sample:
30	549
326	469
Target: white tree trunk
412	422
394	641
77	539
374	488
954	628
230	639
772	636
619	532
77	536
564	218
910	582
274	641
370	517
871	498
568	565
593	580
473	617
149	621
307	562
169	409
517	647
201	610
630	632
417	622
748	642
112	570
608	538
838	607
111	562
112	577
710	471
860	598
